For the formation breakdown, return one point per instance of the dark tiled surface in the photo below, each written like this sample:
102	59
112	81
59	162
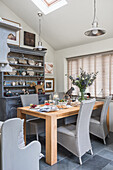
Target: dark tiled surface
95	163
106	154
101	160
108	167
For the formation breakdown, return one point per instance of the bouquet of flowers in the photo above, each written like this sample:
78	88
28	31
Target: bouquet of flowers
83	81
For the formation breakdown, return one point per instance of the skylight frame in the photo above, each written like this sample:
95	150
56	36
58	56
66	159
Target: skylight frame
42	5
51	3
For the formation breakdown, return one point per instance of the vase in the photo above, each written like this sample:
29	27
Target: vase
82	91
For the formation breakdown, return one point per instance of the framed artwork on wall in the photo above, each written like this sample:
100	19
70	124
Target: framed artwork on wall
48	68
29	39
13	37
49	84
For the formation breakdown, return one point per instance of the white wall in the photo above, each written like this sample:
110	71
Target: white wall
5	12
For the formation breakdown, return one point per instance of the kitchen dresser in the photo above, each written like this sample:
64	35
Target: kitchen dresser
28	71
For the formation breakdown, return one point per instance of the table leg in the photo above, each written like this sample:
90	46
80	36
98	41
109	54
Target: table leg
108	119
51	140
22	116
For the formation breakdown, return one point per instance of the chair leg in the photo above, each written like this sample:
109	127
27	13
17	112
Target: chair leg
36	128
80	160
91	151
104	141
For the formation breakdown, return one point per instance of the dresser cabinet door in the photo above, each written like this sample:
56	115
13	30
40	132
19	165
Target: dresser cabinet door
12	113
11	107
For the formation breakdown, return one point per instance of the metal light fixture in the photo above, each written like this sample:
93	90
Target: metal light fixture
40	47
95	30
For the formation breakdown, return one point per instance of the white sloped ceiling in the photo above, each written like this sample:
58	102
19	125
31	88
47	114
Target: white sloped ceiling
65	27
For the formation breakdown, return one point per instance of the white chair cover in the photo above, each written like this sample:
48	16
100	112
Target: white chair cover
76	138
12	156
98	125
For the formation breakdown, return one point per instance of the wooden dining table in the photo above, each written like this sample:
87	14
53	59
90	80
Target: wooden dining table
51	125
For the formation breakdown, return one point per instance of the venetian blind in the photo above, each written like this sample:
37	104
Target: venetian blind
103	63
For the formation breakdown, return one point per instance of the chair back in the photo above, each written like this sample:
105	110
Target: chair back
105	109
29	99
83	121
14	156
11	130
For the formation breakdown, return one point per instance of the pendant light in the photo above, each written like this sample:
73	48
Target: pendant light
40	47
95	30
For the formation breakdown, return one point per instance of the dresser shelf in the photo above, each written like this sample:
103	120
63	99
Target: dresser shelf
25	65
39	73
23	76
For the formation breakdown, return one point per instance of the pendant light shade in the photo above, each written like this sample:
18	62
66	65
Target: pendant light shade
95	30
40	47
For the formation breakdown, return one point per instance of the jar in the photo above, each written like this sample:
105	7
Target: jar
13	83
40	64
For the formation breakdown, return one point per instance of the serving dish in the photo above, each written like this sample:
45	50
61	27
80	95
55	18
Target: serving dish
62	106
76	103
22	61
45	108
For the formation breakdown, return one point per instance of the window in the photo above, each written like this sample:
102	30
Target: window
47	6
103	63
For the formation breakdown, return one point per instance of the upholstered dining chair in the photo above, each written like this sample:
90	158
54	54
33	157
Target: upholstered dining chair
76	138
26	101
14	155
98	124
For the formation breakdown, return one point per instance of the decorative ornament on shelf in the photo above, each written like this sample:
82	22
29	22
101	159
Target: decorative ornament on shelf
83	81
69	92
5	29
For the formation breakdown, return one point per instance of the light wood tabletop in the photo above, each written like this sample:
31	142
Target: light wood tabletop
51	125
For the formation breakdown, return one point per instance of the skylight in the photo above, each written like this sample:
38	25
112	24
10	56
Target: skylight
50	2
47	6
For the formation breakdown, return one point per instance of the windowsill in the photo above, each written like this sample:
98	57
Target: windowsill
97	98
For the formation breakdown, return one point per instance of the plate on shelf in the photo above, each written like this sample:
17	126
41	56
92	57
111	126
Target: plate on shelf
30	72
31	62
13	71
7	83
11	60
31	82
22	61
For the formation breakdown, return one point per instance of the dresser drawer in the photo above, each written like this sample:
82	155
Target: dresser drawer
15	101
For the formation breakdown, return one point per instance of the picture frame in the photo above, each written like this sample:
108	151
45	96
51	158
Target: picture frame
48	68
49	84
29	39
13	37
